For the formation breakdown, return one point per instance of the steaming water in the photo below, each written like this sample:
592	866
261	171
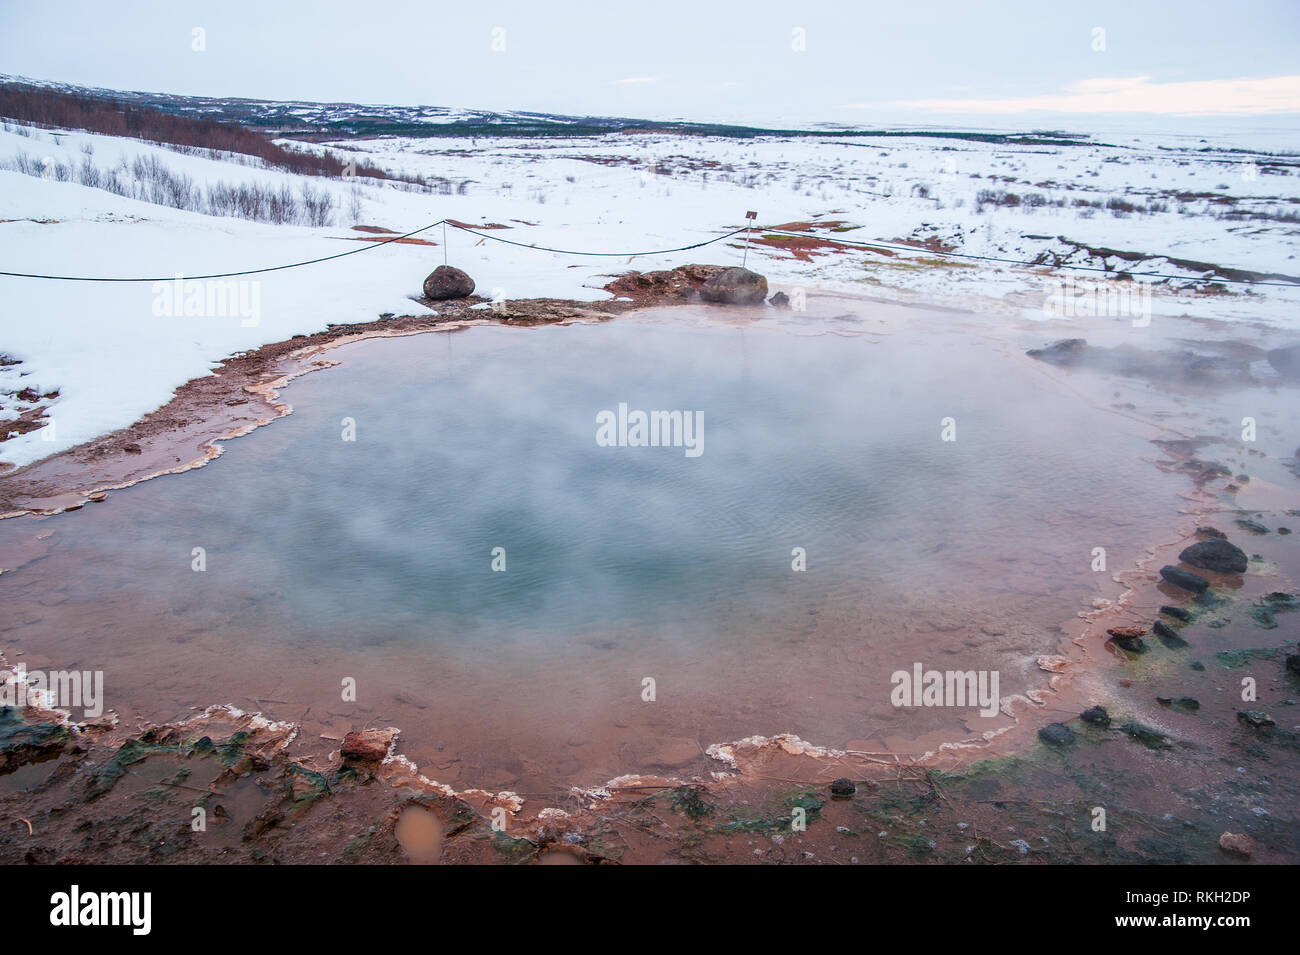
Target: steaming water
371	559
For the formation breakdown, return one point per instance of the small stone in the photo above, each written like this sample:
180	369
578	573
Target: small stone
1066	351
1168	635
1256	718
1178	613
1148	737
1210	532
1056	734
1127	633
843	788
779	300
1293	663
1185	579
1130	645
1236	844
1255	527
367	746
1096	716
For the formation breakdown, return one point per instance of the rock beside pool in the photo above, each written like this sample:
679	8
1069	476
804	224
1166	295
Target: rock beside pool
1257	719
1064	352
1127	633
779	300
1215	554
1184	578
735	287
843	788
1095	716
1056	734
1168	635
446	282
367	746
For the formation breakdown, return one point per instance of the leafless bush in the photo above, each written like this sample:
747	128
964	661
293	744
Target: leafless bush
148	179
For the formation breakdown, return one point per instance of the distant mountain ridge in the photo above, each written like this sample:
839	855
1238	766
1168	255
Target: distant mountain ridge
333	121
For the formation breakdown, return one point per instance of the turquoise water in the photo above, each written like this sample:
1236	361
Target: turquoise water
373	558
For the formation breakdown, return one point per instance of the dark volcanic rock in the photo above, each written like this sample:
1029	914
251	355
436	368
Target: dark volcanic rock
779	300
446	282
1185	579
1096	716
1056	734
1168	635
1178	613
735	287
1133	645
1064	352
1215	554
843	788
1207	531
1255	527
1256	718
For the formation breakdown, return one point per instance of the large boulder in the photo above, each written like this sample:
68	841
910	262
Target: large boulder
445	282
735	287
1215	554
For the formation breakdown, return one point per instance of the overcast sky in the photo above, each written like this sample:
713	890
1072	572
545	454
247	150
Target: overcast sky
1020	63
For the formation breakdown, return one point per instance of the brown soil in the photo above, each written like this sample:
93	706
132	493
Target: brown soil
932	244
408	240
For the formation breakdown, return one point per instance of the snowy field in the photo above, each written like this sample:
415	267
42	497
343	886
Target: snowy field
115	351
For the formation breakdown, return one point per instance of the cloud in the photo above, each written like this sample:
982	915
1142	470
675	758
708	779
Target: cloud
1137	94
640	79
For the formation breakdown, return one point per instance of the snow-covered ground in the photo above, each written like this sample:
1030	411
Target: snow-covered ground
113	352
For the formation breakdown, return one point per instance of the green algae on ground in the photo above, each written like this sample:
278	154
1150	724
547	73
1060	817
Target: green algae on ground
1233	659
22	742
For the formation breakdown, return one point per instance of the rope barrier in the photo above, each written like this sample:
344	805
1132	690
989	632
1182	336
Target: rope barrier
684	248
